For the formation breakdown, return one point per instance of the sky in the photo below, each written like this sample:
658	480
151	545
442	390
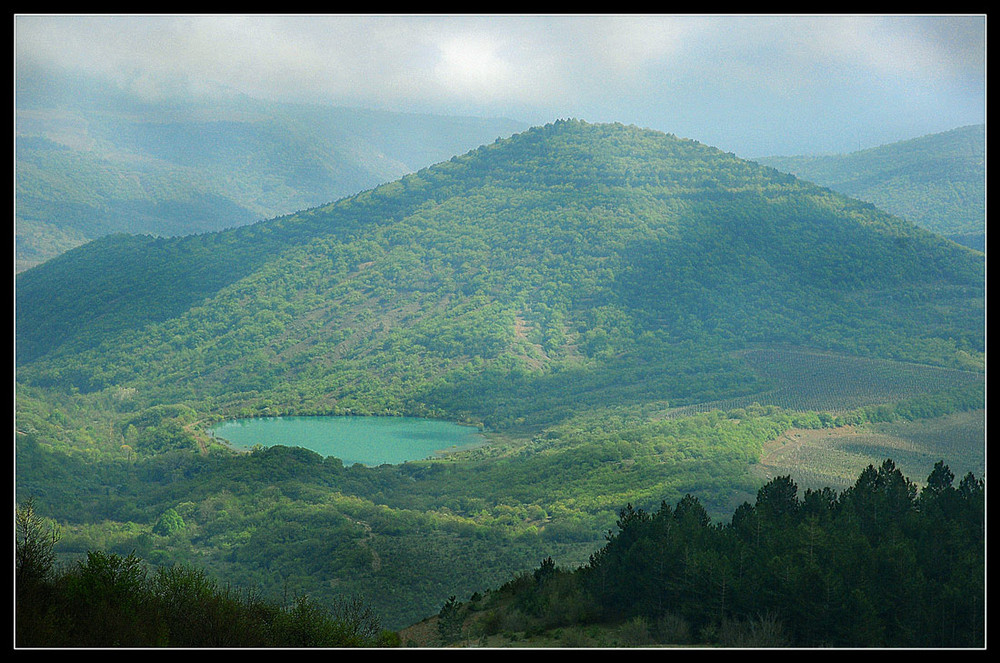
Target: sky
755	85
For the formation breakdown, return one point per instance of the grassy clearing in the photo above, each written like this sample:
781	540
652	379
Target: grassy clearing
807	380
834	457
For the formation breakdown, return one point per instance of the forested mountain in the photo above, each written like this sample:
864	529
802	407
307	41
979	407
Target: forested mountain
106	163
571	242
936	181
631	315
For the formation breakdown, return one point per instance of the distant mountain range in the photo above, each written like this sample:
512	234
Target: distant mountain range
936	181
99	165
91	161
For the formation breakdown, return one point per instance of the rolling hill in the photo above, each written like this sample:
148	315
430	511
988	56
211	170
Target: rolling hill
567	245
936	181
105	163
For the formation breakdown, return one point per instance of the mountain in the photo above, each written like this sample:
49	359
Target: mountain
629	316
103	163
537	265
937	181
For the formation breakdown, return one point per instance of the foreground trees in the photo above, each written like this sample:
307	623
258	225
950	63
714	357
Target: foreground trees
110	600
878	565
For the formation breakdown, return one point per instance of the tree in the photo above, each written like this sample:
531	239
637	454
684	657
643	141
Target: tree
450	621
940	479
545	571
34	546
690	513
778	498
168	523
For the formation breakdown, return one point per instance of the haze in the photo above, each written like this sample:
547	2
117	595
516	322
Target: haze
755	85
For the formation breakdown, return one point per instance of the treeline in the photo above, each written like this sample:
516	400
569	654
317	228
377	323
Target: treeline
113	600
878	565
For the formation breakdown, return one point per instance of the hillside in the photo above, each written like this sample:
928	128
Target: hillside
862	568
630	316
104	164
568	245
936	181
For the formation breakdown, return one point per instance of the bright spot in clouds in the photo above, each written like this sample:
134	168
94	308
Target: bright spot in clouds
473	67
754	84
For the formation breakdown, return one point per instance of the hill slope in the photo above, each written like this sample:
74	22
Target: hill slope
95	167
586	292
936	181
571	259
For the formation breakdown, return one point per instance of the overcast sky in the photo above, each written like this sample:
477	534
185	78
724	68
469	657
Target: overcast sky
754	85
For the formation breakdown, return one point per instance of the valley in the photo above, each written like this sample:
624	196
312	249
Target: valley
95	164
631	318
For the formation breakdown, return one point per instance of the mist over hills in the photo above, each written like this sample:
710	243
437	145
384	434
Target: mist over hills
91	161
937	181
604	249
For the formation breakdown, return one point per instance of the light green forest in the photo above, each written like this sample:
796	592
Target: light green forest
628	316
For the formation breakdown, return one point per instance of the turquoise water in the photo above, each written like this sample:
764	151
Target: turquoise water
367	440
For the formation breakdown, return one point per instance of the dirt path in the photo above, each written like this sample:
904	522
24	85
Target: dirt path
366	543
198	436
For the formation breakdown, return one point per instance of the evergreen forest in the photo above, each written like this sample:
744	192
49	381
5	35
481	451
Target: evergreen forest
880	564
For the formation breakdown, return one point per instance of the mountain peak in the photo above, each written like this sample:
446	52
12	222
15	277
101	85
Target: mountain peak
573	155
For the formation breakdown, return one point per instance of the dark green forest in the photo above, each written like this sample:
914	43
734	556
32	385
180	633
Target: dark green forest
111	600
628	317
880	564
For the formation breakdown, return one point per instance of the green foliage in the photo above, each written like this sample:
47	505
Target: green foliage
34	555
864	568
108	600
630	316
585	247
168	523
879	565
450	621
287	519
937	181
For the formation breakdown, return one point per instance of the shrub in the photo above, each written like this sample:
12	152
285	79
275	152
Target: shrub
635	633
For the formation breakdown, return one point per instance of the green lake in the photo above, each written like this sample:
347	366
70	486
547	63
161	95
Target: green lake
367	440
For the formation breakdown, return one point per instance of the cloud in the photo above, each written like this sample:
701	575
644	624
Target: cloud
521	59
676	73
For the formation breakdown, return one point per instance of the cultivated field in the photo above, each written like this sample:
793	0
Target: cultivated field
806	380
834	457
